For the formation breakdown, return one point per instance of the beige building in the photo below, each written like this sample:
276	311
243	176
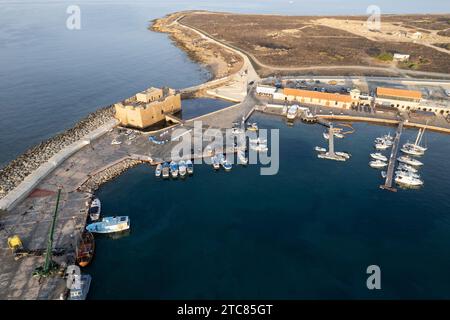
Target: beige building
148	107
320	98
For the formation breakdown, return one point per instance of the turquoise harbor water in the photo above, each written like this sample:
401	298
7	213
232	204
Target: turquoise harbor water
308	232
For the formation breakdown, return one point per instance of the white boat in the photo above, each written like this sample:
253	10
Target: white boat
378	156
292	112
408	181
405	167
215	162
412	151
158	170
415	148
242	158
81	292
259	147
343	154
257	140
95	209
109	225
116	142
320	149
166	170
407	173
383	174
328	156
190	167
377	164
174	169
381	146
182	169
410	161
326	136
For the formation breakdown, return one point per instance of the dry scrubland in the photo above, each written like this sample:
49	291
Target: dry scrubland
289	41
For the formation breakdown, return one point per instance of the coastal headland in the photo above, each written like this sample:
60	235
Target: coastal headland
81	159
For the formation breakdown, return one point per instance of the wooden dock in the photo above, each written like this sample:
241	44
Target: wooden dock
392	160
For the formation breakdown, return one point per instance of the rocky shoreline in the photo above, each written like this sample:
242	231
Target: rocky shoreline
216	59
18	169
94	182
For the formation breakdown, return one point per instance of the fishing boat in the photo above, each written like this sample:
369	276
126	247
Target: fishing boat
377	164
345	155
158	170
81	292
405	167
174	169
410	161
292	112
215	162
85	249
95	209
378	156
116	142
408	181
166	170
190	167
320	149
182	168
110	225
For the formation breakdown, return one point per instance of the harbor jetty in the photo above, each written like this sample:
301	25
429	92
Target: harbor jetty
392	160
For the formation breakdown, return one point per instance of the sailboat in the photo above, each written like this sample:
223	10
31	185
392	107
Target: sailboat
415	149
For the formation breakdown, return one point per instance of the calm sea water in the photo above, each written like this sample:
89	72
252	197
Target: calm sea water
308	232
50	77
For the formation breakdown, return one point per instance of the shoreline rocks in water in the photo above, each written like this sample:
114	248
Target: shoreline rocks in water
18	169
108	174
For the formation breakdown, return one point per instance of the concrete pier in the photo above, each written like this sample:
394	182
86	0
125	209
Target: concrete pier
392	160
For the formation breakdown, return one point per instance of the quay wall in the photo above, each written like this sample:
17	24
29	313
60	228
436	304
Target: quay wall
20	176
384	121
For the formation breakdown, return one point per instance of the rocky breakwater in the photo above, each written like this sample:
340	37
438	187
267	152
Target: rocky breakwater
107	174
17	170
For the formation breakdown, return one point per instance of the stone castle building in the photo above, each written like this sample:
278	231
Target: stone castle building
147	107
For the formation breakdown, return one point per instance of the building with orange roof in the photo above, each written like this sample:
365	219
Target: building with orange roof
321	98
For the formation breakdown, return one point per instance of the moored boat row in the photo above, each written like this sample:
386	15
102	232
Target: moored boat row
174	169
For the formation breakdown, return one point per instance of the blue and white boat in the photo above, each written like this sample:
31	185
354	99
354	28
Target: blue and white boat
224	163
215	162
174	169
190	167
110	225
158	170
182	169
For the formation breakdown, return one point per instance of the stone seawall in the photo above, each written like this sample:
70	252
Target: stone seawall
18	169
107	174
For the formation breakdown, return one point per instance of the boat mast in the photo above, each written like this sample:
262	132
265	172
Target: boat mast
331	140
416	143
